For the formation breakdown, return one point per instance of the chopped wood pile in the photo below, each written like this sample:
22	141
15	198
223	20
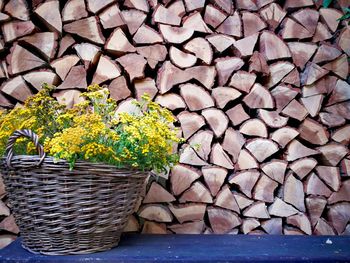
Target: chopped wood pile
260	90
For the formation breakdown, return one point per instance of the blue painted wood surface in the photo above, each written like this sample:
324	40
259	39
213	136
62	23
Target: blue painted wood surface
203	248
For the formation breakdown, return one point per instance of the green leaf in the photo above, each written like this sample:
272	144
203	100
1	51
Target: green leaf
346	16
326	3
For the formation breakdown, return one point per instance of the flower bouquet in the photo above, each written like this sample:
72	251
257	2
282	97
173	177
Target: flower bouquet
76	194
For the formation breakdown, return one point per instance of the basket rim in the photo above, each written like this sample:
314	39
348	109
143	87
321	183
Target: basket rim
79	165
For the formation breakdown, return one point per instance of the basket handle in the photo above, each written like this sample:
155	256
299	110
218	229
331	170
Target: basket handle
23	133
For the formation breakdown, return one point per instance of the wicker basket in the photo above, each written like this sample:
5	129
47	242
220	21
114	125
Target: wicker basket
68	212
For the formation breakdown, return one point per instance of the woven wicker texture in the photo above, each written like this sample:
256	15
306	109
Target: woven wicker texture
70	212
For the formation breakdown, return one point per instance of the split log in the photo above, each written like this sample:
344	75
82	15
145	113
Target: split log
156	212
74	10
176	35
226	199
259	97
245	46
147	35
196	193
246	161
315	206
272	118
223	95
293	30
181	177
195	22
330	175
106	70
339	67
177	7
16	88
66	42
118	89
342	195
118	44
331	17
181	59
188	212
15	29
201	48
264	189
343	40
342	135
232	26
237	115
332	153
5	103
37	78
313	104
76	78
192	5
272	226
226	66
201	143
252	23
301	52
257	210
171	101
88	53
63	65
225	5
68	97
341	109
338	216
275	169
188	228
273	14
340	93
312	73
222	221
17	9
303	166
213	16
313	132
261	148
245	180
134	19
296	150
242	80
9	224
272	47
217	121
43	43
219	157
278	71
153	54
284	135
292	4
4	210
233	143
331	120
254	127
258	64
6	239
301	221
204	74
220	42
326	53
214	178
283	95
293	192
49	14
157	194
87	28
249	224
190	123
345	167
134	65
314	186
163	15
242	200
150	227
281	209
189	156
138	4
323	228
292	78
111	17
95	7
27	62
196	97
322	33
295	110
132	225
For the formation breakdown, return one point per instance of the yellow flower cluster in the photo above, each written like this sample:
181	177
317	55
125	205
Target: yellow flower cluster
93	131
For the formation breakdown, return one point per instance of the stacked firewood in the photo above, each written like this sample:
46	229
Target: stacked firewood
259	88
